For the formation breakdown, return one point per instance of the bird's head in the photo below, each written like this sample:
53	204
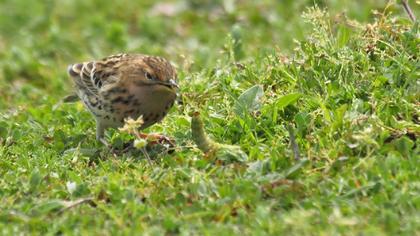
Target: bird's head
156	71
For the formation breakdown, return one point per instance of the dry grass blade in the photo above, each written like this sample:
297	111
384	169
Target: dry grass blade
407	9
70	204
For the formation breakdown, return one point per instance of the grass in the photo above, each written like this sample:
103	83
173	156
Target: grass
347	88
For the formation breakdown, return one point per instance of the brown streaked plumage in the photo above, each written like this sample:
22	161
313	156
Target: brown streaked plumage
122	86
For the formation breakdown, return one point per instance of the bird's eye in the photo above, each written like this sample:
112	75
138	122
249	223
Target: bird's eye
149	76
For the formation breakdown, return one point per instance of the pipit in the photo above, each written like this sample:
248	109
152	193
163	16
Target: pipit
122	86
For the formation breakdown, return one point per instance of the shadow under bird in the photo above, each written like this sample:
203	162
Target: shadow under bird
122	86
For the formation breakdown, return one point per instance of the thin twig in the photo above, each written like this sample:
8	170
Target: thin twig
293	144
72	204
408	10
146	155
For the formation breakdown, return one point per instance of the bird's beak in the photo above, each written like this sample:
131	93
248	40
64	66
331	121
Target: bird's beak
173	83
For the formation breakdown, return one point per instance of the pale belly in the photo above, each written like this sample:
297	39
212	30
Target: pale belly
152	105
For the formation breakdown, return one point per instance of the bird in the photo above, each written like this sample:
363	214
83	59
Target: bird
125	86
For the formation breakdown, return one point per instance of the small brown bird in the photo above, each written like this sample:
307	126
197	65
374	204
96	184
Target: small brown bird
122	86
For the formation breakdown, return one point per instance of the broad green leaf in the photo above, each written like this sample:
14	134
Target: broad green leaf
299	165
250	100
302	120
287	100
404	145
35	180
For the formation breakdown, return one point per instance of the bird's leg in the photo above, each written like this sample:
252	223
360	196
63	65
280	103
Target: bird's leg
100	131
104	142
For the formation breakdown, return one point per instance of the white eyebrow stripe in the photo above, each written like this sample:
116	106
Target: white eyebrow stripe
92	74
81	70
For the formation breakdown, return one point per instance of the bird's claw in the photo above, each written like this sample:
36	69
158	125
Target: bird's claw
163	140
127	147
154	139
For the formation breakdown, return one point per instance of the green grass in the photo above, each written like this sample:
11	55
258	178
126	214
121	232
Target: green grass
347	87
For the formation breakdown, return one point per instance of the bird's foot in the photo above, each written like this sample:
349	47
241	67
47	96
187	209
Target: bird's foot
116	151
104	142
154	139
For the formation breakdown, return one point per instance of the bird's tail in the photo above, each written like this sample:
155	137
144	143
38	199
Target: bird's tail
75	69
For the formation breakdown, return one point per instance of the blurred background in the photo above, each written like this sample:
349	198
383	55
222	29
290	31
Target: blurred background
38	39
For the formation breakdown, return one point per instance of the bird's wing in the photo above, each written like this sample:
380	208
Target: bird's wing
70	98
91	76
